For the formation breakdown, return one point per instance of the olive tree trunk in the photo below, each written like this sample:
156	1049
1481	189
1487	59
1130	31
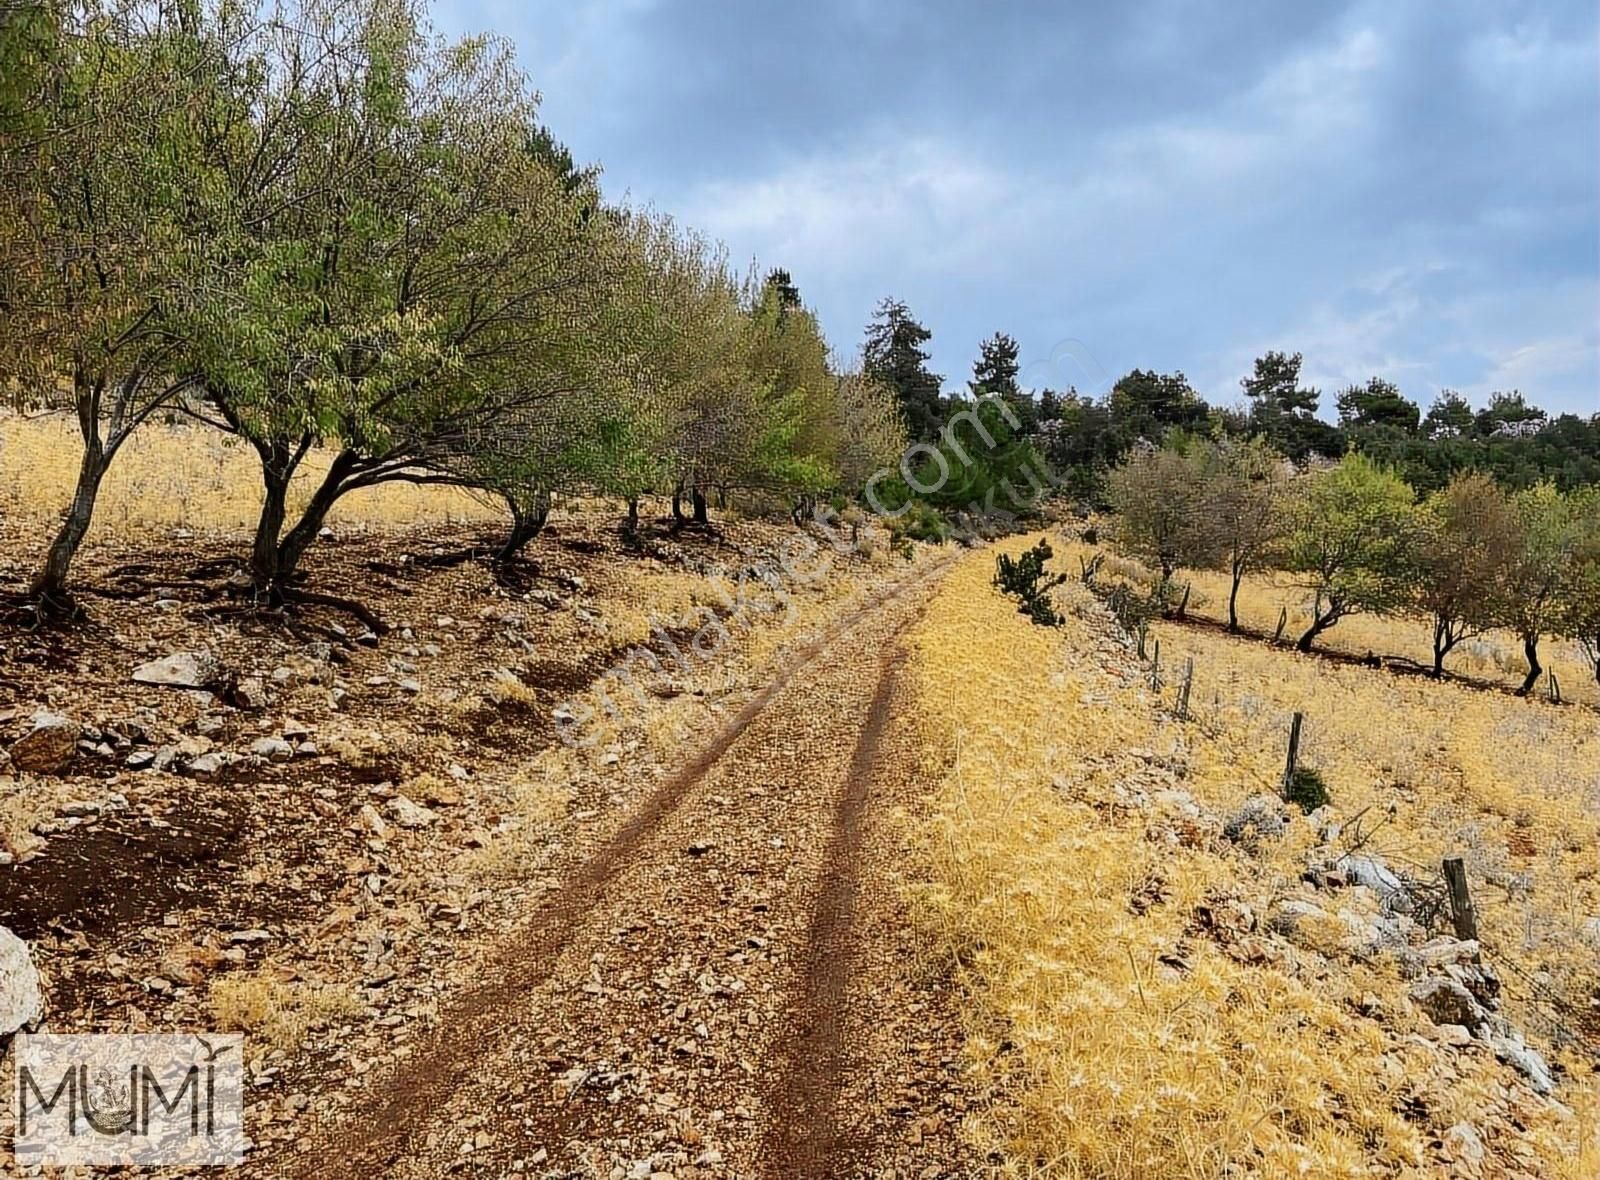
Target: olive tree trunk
1445	638
275	556
1318	625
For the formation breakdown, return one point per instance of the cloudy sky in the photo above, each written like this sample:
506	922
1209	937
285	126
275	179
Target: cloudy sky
1407	189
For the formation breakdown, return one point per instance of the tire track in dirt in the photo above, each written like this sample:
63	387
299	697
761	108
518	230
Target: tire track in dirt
803	1135
872	1079
395	1115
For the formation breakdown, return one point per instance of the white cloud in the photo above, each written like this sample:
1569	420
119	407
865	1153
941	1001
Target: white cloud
1388	325
1283	214
1525	68
881	205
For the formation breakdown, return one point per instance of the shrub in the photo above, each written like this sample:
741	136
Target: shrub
1039	610
278	1011
921	522
1026	579
1308	789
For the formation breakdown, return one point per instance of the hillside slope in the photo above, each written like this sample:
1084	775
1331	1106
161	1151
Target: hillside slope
1156	982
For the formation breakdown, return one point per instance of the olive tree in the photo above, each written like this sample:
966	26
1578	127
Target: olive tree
1244	500
701	366
1158	494
405	271
1530	600
803	439
871	433
1580	608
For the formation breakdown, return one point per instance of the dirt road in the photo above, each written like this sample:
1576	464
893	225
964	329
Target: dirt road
727	988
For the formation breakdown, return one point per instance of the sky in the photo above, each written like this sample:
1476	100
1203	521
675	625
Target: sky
1392	188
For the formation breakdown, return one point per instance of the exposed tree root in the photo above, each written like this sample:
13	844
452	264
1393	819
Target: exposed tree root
35	612
333	602
687	525
281	607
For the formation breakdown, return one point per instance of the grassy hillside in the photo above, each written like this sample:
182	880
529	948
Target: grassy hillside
1496	657
1138	990
192	477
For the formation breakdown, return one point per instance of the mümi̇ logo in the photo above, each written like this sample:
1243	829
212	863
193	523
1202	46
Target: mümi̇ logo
136	1100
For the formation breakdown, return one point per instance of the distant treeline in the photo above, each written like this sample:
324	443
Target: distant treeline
1510	439
1084	436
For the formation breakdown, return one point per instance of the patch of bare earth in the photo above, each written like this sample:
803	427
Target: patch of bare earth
723	988
457	947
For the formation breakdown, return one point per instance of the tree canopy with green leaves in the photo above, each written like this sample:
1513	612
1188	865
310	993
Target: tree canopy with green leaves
399	271
1377	405
1350	541
1530	601
103	147
1467	538
1244	499
326	230
1159	495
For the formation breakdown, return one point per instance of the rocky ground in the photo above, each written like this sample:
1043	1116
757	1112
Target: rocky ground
1446	1045
700	996
457	945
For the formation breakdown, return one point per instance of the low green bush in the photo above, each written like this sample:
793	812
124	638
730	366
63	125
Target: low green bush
1308	790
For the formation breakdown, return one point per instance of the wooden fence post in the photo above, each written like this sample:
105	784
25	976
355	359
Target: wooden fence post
1462	914
1294	752
1155	667
1183	695
1283	621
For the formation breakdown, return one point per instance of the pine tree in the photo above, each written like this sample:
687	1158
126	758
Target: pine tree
1275	385
995	371
782	282
893	355
1049	406
1449	417
1284	412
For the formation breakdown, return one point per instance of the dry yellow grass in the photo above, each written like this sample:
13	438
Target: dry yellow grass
279	1011
1132	1046
189	476
1495	657
1511	785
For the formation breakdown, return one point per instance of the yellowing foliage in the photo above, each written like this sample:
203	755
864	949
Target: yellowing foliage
1123	1002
